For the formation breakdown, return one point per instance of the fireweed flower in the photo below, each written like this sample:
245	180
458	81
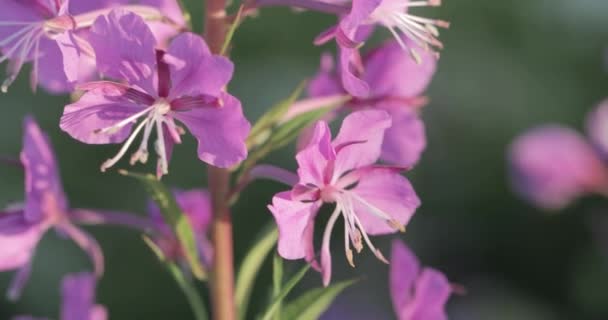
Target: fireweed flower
46	207
53	36
551	166
597	128
372	199
417	293
78	299
396	85
196	205
185	83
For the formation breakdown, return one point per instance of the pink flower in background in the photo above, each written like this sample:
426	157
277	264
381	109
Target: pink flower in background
396	85
185	83
372	199
78	299
417	293
597	128
46	207
196	205
53	35
551	166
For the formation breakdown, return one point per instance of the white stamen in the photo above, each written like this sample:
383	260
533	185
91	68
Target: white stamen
110	162
160	143
117	126
369	243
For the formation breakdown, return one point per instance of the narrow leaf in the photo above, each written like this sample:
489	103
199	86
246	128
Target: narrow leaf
312	304
194	299
231	31
274	306
251	266
174	217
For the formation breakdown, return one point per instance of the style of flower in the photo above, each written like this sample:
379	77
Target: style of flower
551	166
196	205
396	85
371	199
53	36
78	299
46	207
185	83
417	293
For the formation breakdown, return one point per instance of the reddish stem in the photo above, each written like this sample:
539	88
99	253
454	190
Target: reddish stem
222	276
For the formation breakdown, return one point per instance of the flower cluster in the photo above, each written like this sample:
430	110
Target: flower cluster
138	76
553	165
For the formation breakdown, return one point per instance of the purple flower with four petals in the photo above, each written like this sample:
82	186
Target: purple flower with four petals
185	83
372	199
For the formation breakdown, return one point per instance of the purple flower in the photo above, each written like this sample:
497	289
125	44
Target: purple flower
356	26
417	293
371	199
396	84
196	205
552	166
78	295
185	83
45	207
53	35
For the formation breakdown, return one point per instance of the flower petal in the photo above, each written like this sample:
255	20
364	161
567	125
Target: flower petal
18	240
99	108
124	48
163	30
349	72
366	127
383	190
390	70
325	82
551	166
78	293
43	189
196	204
432	293
221	132
405	140
295	221
404	270
194	70
313	159
597	127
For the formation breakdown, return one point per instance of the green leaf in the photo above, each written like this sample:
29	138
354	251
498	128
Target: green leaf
277	281
251	266
174	217
310	305
290	130
273	116
231	31
194	299
274	306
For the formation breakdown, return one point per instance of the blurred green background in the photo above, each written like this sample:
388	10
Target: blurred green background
507	66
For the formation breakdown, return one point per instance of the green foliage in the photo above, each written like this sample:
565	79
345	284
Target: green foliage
275	305
251	266
174	217
310	305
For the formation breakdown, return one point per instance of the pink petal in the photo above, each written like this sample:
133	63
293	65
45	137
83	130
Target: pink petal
405	140
78	294
363	126
194	70
164	31
351	81
390	193
432	293
43	189
196	204
404	270
124	48
313	159
295	221
18	240
221	132
597	127
325	82
99	108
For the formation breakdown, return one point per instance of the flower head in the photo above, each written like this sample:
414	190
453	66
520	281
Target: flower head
417	293
371	199
45	207
597	128
53	35
78	299
356	26
156	89
552	166
196	205
396	85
